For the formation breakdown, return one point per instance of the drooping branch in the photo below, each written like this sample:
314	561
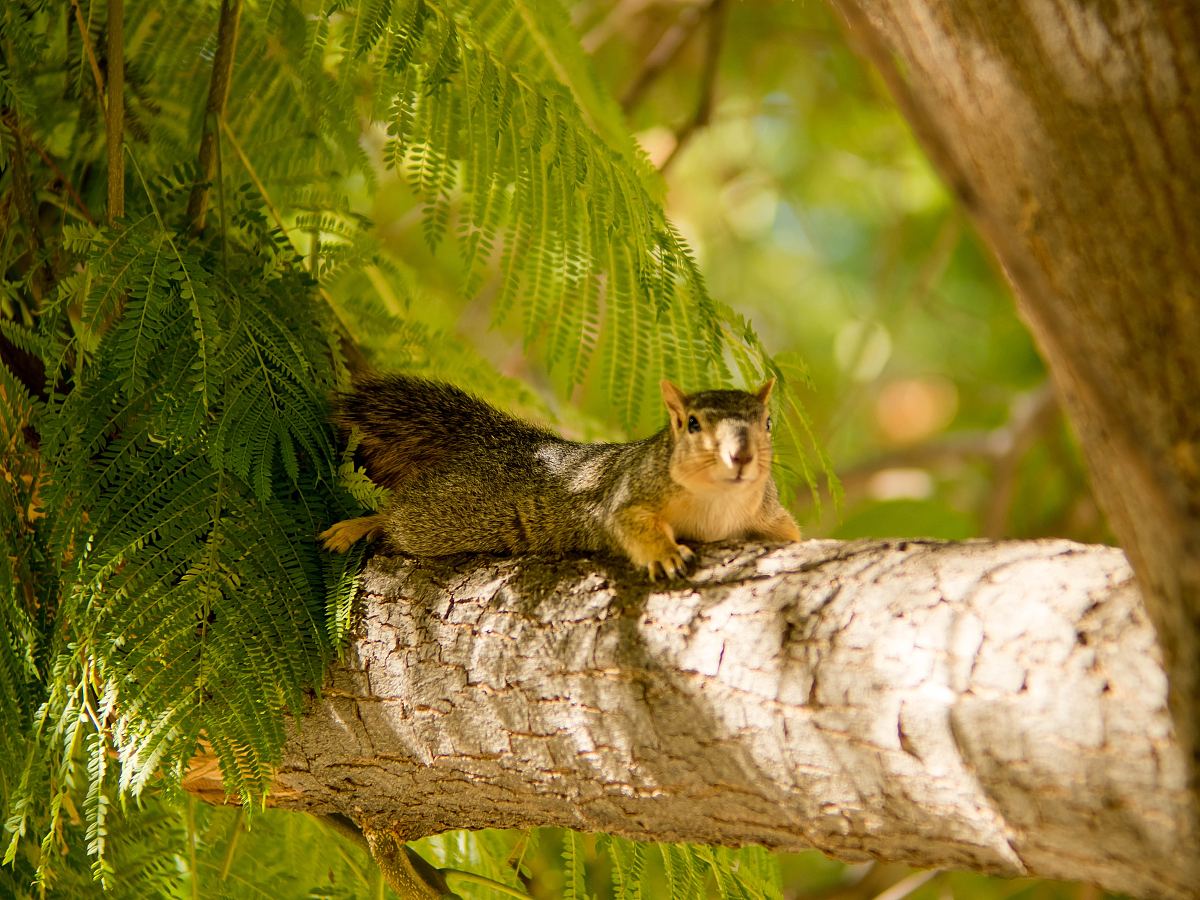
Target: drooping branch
1000	707
63	179
218	95
356	360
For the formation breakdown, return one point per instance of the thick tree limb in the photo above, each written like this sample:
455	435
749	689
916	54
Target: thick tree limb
1000	707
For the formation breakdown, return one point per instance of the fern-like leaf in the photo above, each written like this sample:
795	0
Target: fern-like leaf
573	867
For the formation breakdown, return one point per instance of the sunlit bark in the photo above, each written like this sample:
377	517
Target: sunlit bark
1000	707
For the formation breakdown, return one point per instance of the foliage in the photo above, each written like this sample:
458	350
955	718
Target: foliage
184	465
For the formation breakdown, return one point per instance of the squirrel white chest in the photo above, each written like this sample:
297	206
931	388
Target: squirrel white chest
714	516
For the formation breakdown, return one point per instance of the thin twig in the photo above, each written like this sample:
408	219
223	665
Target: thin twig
62	178
250	170
235	832
608	26
929	274
314	249
708	81
224	223
1003	447
114	113
1032	415
906	886
455	877
951	450
218	94
23	195
90	52
664	53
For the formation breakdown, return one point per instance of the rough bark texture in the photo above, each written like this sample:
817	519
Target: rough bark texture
1071	132
1000	707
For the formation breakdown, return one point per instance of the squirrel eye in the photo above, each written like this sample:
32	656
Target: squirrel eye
693	424
768	423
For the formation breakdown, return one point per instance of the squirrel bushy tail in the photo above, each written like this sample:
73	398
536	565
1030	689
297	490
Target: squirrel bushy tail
410	424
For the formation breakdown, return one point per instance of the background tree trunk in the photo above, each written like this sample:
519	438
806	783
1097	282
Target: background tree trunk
1000	707
1071	133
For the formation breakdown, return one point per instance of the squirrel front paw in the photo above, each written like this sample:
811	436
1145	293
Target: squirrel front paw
671	564
650	543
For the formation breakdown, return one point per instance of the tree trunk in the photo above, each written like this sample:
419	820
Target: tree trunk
1070	131
999	707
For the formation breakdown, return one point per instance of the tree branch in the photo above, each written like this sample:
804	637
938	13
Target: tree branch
999	707
1030	417
54	167
717	10
114	112
42	273
618	15
409	875
664	53
405	871
218	95
85	38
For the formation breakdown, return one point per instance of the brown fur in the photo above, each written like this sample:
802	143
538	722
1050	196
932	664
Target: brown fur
466	477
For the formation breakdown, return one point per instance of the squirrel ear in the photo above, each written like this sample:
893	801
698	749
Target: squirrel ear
764	393
675	400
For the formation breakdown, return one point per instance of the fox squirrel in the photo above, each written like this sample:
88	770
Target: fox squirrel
466	477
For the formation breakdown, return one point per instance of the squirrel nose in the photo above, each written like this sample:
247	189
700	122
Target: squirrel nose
736	449
739	454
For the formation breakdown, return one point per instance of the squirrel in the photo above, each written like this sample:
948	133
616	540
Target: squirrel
468	478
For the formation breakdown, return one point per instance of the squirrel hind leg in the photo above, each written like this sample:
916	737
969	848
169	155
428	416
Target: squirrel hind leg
339	537
780	527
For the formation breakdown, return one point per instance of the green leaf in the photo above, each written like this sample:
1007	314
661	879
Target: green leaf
573	867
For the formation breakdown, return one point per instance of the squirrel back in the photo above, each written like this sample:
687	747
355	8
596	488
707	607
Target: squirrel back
466	477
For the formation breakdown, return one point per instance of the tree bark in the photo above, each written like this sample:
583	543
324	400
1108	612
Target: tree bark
999	707
1070	132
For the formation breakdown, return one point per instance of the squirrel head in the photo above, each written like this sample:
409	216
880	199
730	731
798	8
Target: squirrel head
721	439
